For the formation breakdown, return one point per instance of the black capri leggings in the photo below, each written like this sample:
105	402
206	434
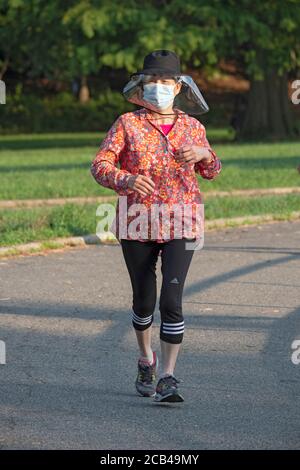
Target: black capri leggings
141	258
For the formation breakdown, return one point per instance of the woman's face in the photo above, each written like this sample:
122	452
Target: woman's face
164	81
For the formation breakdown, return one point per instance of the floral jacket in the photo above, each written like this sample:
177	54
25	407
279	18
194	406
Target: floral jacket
138	144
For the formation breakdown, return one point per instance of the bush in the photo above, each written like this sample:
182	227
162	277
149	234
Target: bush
61	113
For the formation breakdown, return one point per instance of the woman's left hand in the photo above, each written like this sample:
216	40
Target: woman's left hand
192	154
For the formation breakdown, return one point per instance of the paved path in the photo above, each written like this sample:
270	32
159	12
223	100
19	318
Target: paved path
12	203
71	352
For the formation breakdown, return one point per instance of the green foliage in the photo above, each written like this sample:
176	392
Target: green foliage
82	36
32	38
29	113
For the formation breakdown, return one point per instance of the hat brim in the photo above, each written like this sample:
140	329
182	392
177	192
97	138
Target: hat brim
156	71
188	100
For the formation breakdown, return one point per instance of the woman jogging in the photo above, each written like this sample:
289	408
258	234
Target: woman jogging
160	148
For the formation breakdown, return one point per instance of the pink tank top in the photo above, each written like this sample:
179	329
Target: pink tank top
166	127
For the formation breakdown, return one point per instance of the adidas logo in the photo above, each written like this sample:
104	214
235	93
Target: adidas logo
174	281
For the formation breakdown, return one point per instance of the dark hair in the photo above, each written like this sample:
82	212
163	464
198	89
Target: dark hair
175	78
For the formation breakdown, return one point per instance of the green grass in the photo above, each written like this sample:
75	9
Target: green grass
263	165
225	207
58	165
26	225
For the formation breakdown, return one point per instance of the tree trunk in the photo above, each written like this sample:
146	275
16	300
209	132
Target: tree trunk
268	113
84	92
4	68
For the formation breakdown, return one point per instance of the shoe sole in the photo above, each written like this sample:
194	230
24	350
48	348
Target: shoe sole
172	398
145	395
149	395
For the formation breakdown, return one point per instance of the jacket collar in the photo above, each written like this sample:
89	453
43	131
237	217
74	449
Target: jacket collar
144	113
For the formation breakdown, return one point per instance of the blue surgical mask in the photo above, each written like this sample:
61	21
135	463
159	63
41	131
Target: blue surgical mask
159	95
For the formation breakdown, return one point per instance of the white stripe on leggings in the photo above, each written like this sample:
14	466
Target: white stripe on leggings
179	328
173	324
173	329
141	321
173	332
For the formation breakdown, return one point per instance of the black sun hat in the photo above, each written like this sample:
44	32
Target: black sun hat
162	62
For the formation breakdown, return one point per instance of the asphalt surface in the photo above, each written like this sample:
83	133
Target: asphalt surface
71	354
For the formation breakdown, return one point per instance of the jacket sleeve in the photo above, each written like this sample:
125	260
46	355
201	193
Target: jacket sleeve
207	170
104	166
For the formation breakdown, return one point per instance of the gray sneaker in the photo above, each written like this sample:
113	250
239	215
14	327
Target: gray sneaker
146	377
167	390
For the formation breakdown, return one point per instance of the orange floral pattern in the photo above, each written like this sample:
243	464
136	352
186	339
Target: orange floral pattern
139	146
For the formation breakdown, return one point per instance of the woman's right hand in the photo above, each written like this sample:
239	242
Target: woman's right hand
142	184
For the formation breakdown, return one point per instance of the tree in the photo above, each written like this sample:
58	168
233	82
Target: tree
264	39
32	40
78	38
261	38
105	34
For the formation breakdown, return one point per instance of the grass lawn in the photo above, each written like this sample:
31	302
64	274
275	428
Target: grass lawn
58	165
26	225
